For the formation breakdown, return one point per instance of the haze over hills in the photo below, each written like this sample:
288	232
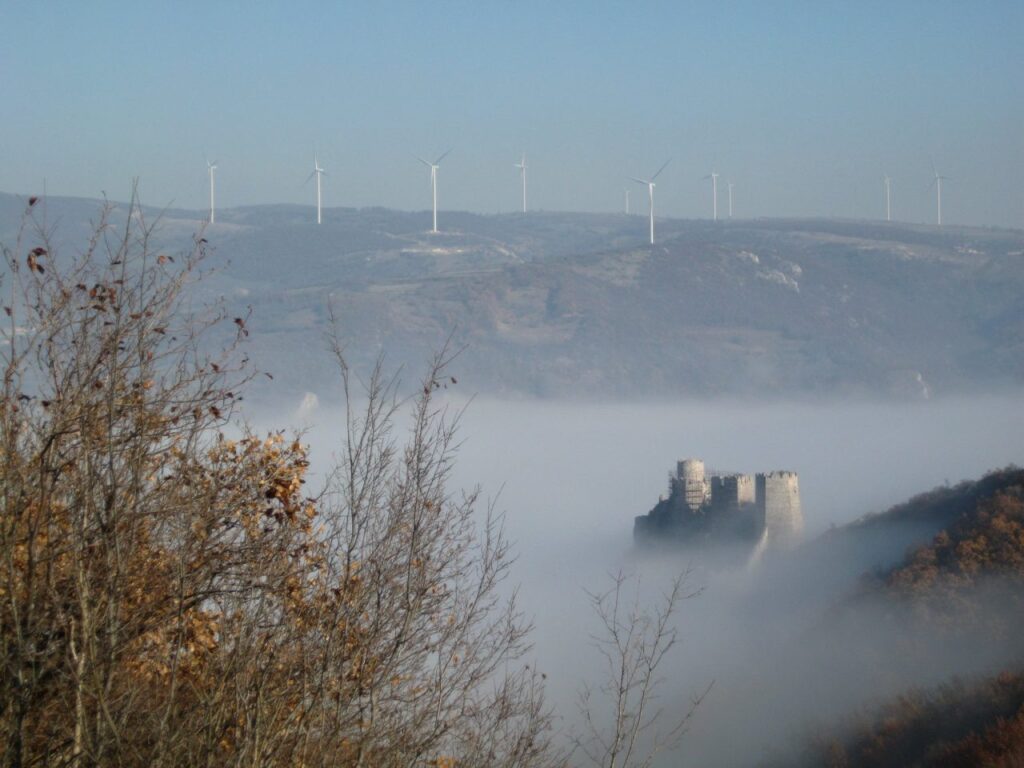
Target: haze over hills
567	304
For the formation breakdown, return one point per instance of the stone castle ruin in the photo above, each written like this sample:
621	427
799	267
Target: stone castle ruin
725	507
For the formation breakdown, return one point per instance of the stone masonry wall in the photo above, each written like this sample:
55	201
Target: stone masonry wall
730	492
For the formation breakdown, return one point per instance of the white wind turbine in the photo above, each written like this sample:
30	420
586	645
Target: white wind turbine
731	185
650	192
318	172
211	169
937	181
522	172
714	194
433	181
888	197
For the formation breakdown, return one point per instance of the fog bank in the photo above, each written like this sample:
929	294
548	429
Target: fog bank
570	478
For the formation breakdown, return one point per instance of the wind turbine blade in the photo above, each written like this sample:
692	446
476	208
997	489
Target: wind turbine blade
311	175
423	161
638	181
442	157
661	169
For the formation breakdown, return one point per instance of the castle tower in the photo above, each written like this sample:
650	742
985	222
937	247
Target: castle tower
692	483
778	505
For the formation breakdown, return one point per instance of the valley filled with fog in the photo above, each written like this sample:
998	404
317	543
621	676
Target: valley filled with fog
353	355
571	476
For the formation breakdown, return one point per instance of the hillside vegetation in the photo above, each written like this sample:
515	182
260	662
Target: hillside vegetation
958	725
985	544
966	583
579	305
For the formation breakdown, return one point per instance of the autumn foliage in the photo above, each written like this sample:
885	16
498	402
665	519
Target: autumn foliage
967	583
987	540
975	561
954	726
172	594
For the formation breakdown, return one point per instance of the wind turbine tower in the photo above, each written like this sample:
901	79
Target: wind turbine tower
627	201
937	181
522	172
318	172
650	192
888	198
730	199
714	194
433	181
211	169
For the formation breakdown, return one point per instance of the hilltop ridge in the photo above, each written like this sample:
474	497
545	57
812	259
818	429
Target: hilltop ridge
565	304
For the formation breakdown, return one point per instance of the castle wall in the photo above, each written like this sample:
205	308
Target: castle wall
778	503
745	489
730	492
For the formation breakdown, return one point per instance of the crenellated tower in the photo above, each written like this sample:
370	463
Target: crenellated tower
778	505
693	483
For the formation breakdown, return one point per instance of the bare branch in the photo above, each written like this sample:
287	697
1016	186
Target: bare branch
632	642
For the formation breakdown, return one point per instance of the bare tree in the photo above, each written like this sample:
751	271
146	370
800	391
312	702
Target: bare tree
440	662
104	391
623	723
170	596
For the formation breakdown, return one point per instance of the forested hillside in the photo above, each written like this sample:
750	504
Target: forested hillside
963	589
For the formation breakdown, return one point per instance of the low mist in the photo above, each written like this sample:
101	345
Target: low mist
782	657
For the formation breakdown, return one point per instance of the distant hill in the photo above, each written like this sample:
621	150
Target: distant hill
579	305
880	542
981	550
947	539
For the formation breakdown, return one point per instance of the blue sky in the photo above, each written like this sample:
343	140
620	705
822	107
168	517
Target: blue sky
803	105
